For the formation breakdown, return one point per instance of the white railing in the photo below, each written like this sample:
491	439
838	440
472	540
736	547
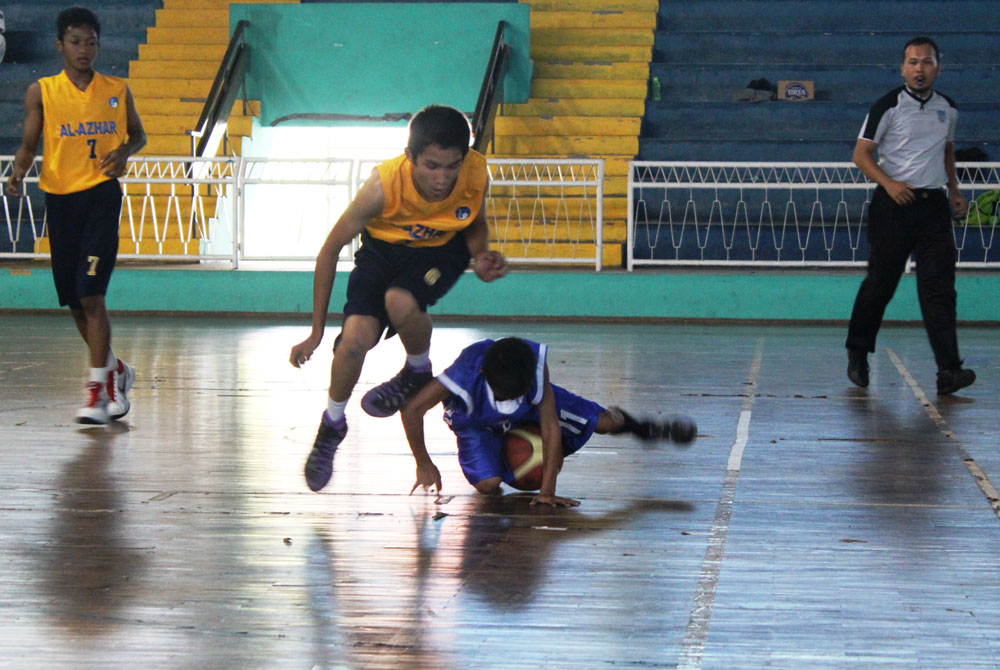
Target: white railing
265	209
773	214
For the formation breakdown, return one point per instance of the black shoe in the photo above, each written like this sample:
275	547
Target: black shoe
676	428
389	397
949	381
857	367
319	465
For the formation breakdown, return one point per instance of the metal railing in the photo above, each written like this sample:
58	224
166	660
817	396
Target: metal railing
273	210
774	214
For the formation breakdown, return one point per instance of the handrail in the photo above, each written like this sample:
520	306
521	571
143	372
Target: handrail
491	92
219	103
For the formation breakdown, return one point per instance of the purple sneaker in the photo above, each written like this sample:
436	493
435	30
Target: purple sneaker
319	465
389	397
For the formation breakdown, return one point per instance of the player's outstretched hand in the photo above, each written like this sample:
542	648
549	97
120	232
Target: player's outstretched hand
554	501
303	351
490	265
429	477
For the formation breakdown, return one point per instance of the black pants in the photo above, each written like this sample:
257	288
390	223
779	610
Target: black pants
894	232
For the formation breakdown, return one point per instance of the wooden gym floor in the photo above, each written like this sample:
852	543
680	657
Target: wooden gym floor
813	524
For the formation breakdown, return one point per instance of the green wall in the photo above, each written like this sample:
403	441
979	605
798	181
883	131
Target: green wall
377	59
749	295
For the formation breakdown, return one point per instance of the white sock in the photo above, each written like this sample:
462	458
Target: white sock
112	361
99	375
419	361
335	409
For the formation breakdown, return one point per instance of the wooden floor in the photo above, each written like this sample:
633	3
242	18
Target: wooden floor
813	524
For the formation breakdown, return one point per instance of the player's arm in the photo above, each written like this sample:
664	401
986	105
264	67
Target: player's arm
367	204
864	158
958	202
552	451
115	162
25	156
412	415
488	265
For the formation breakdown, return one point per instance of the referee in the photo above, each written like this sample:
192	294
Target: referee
913	128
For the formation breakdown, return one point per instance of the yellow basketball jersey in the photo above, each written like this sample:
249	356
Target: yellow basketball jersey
79	128
409	219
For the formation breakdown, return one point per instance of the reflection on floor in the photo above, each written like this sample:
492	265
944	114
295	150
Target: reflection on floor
813	525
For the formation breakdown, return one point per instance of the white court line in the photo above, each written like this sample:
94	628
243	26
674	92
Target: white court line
982	481
696	634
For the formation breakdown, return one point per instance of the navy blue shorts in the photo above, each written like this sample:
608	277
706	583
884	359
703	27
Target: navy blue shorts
480	450
426	272
83	238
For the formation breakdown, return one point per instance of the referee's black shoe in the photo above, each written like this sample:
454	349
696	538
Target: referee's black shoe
857	367
949	381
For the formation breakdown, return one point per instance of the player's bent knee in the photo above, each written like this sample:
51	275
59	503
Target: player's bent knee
489	486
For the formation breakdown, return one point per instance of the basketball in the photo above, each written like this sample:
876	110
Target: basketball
522	449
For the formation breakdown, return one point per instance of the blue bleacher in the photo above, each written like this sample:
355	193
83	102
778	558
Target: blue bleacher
706	51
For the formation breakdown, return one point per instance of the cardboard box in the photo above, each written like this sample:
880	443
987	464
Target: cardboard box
795	90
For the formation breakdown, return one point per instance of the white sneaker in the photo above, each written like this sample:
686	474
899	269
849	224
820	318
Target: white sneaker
117	388
95	409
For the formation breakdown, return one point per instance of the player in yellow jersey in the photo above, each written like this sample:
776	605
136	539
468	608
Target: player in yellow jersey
90	127
421	217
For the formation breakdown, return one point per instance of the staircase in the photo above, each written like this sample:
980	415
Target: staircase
587	95
706	51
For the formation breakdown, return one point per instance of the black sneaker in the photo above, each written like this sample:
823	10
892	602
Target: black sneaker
857	367
319	465
389	397
949	381
676	428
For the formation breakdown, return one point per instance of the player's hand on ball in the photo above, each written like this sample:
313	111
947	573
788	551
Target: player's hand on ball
429	477
554	501
683	429
490	265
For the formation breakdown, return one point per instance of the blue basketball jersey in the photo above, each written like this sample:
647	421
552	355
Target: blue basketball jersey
472	405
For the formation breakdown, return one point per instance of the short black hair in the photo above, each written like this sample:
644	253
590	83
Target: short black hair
920	41
437	124
74	17
509	367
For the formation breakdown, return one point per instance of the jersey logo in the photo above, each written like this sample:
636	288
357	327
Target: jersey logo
431	276
462	213
113	101
942	117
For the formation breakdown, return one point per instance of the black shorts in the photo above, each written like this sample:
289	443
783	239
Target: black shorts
83	238
426	272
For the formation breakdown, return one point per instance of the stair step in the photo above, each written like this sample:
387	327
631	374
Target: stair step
182	37
815	48
834	15
859	83
590	70
566	146
588	88
827	121
593	5
591	36
169	69
756	151
559	106
568	125
599	20
185	18
597	52
185	89
191	52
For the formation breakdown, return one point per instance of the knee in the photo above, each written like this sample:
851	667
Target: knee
92	306
489	486
400	305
